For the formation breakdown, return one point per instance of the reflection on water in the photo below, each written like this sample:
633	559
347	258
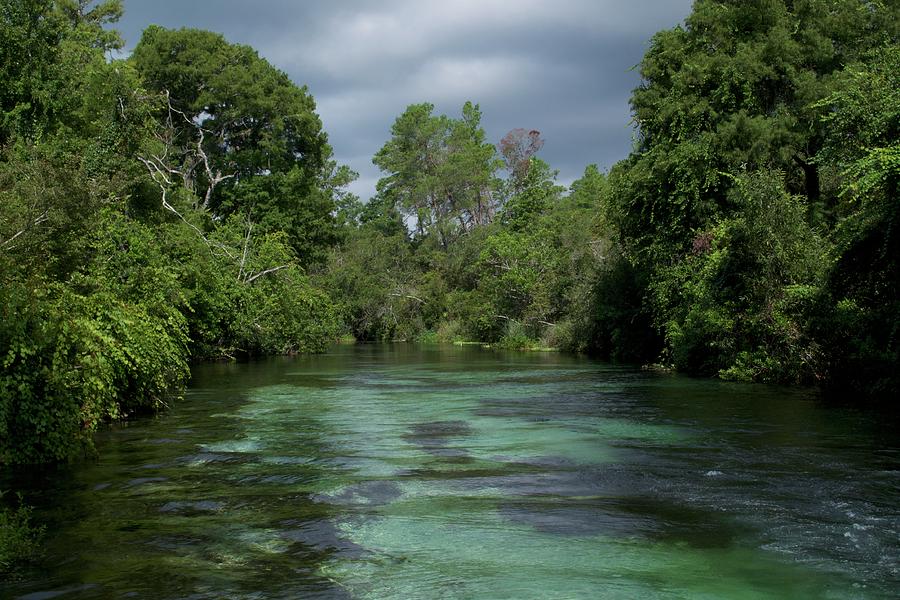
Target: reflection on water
415	472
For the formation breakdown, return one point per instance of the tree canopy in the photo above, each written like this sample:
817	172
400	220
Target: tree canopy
140	229
239	134
441	171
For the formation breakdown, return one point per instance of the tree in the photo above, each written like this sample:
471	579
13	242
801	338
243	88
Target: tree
531	197
736	88
373	280
738	305
587	191
440	170
735	96
517	147
43	45
862	330
29	41
239	134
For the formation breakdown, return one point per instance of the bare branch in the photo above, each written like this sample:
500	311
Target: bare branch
191	158
410	296
265	272
8	244
159	177
214	178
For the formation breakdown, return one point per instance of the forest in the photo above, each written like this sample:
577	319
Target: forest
183	204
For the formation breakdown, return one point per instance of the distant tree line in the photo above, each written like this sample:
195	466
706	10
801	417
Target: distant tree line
751	234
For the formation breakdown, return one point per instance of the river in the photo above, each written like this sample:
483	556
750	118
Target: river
401	471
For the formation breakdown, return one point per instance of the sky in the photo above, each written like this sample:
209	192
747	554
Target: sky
563	67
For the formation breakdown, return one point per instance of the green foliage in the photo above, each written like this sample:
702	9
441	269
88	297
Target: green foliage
440	171
516	337
19	538
609	316
284	315
131	241
243	293
587	191
45	210
448	332
736	88
44	45
533	196
71	361
242	136
277	311
29	38
863	120
256	118
522	269
373	282
513	273
862	325
476	313
737	304
752	225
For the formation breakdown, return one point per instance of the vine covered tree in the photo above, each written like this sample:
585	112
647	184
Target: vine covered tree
732	99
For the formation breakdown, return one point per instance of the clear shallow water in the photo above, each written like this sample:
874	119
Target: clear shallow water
417	472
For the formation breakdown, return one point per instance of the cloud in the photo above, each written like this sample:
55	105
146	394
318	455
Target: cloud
562	67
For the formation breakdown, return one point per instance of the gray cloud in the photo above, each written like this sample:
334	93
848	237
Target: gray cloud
561	67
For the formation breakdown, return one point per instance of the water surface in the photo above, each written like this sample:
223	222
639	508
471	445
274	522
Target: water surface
430	472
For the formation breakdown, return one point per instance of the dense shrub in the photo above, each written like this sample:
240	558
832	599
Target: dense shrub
737	305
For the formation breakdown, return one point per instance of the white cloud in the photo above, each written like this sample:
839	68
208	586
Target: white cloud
447	79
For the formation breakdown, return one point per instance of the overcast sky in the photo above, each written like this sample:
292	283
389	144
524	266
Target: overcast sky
563	67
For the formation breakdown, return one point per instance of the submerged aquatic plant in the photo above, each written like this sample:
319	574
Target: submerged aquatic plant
19	538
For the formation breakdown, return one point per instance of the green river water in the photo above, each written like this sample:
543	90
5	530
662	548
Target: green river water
408	472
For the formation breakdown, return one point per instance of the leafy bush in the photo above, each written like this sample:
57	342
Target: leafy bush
70	362
738	304
516	337
283	314
19	538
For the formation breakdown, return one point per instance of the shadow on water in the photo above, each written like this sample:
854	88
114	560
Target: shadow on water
650	518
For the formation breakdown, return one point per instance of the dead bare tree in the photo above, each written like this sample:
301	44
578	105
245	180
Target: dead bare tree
186	160
517	147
